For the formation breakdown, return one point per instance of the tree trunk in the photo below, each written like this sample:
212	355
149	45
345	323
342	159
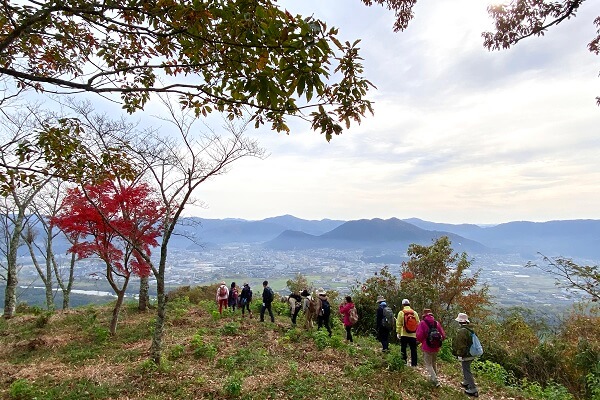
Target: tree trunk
115	314
10	295
156	349
144	297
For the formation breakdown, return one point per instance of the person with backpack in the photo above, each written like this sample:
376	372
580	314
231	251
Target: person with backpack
350	317
431	335
232	299
324	313
383	324
246	299
461	348
295	303
406	330
267	298
222	296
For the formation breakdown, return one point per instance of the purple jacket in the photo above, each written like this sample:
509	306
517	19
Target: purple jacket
423	330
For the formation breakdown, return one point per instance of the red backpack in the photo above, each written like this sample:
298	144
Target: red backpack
410	322
222	291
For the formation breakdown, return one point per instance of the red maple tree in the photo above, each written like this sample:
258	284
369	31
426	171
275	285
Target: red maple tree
117	222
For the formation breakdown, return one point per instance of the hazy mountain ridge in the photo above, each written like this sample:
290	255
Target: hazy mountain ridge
390	234
579	239
569	238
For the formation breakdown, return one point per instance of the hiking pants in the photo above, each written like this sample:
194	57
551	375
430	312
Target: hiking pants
412	343
430	365
468	379
295	314
383	335
222	303
348	333
266	306
246	306
323	320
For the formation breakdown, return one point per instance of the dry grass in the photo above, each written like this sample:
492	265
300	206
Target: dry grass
70	356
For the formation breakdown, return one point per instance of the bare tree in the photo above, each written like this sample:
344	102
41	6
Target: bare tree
572	276
177	164
45	206
16	129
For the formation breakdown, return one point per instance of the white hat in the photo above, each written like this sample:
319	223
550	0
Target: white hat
462	318
405	302
380	299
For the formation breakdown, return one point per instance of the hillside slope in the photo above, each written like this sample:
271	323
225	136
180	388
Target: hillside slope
69	355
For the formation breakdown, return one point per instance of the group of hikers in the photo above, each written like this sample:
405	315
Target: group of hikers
428	332
410	329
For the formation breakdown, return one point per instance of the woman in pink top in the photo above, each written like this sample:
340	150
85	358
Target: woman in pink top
429	344
345	308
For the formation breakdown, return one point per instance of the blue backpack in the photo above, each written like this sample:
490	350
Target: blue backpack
476	348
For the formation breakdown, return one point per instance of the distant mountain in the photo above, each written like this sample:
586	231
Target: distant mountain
568	238
466	230
392	234
220	231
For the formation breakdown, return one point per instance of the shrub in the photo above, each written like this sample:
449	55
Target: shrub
176	352
201	349
394	361
230	329
493	371
233	386
592	381
21	389
321	339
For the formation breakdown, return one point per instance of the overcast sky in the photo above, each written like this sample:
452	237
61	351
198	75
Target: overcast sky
460	134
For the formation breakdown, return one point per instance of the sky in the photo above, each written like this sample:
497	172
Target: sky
460	134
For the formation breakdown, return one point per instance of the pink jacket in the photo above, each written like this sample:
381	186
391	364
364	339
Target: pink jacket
345	311
423	330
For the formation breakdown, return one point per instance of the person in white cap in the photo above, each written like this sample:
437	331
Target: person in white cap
460	348
406	330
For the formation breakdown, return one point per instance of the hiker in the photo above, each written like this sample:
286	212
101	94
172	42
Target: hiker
222	296
345	308
324	312
460	348
246	299
310	308
383	331
431	342
406	328
232	299
267	298
295	303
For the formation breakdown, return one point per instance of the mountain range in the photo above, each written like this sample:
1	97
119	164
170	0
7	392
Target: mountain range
569	238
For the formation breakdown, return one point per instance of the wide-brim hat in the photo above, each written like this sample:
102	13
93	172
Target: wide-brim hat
426	311
380	299
462	318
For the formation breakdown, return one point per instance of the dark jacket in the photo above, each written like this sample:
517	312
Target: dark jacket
267	295
380	327
246	293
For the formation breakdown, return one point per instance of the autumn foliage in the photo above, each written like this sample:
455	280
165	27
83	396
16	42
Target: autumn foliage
116	222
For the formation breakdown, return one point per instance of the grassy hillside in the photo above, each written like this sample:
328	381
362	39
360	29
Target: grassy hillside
69	355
